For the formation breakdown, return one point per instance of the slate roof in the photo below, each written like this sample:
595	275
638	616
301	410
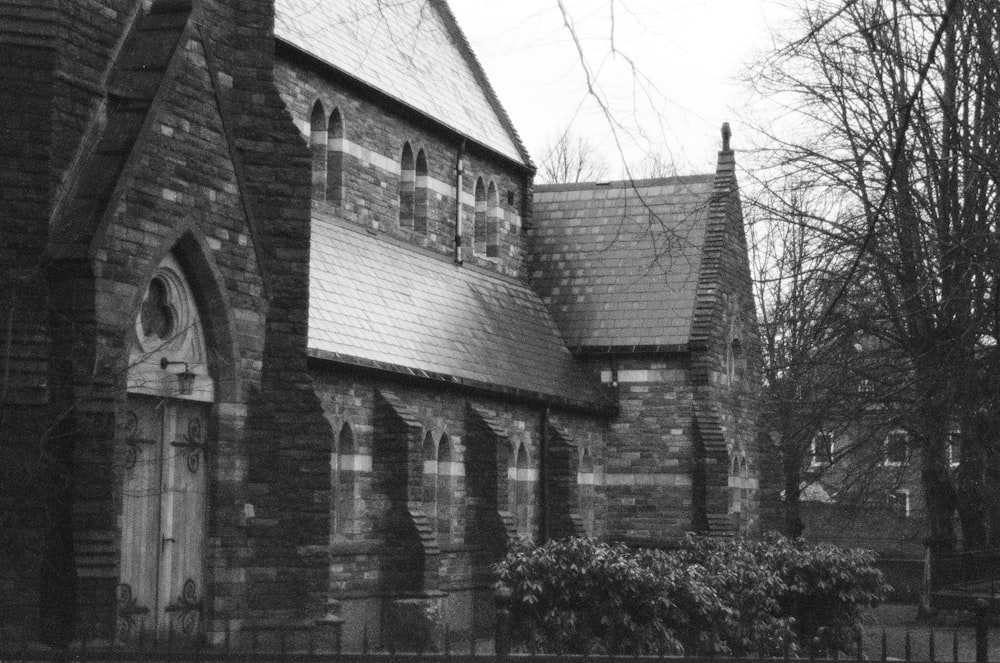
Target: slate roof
411	50
618	263
380	303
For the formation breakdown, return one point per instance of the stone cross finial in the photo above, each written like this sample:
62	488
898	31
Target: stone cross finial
726	135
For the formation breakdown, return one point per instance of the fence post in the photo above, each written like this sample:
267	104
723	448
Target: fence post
502	636
982	632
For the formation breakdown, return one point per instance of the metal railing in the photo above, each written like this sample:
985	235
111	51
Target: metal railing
959	644
968	569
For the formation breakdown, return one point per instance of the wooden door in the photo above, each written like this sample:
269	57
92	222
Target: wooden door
163	519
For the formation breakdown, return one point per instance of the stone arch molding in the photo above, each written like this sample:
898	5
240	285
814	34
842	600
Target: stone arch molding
168	339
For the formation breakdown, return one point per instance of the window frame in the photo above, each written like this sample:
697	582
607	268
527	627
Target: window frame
815	458
887	447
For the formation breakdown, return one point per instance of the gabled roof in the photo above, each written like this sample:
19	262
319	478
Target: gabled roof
412	51
378	303
618	263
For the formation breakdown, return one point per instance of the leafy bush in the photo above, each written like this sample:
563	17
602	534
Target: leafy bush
742	573
580	596
828	590
706	596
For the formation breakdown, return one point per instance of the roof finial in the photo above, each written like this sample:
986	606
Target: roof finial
726	135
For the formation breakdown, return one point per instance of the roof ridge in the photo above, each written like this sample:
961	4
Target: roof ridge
634	183
709	275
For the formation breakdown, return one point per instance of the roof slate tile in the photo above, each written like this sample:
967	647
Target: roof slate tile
375	300
635	248
405	50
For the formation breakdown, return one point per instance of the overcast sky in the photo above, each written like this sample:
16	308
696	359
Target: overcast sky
673	81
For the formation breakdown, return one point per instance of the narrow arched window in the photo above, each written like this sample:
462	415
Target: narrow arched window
492	222
407	182
479	227
445	490
524	487
735	484
744	484
421	199
585	483
511	466
430	478
335	158
344	474
318	147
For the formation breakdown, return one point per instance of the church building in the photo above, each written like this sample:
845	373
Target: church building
292	343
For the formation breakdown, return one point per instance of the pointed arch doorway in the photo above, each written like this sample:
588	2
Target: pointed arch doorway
161	591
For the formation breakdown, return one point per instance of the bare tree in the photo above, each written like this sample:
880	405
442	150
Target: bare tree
571	158
826	376
653	165
897	118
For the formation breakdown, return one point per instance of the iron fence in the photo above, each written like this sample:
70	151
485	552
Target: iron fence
971	568
972	642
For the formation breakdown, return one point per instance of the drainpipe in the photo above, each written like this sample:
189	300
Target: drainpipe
459	172
543	475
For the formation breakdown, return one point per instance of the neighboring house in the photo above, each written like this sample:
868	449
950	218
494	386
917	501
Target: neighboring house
857	472
862	489
291	341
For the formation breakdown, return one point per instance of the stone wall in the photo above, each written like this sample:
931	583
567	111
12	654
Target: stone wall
369	150
462	507
187	148
649	460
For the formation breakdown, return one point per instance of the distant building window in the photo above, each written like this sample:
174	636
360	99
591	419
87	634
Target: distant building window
899	502
479	226
318	145
896	447
335	158
407	186
821	449
421	194
954	449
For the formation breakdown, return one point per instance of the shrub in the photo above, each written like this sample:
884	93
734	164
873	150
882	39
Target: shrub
828	590
706	596
814	593
580	596
741	572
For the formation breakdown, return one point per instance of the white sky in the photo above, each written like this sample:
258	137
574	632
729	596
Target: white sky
688	56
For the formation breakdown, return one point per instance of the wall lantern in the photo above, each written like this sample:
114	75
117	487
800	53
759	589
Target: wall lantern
185	378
